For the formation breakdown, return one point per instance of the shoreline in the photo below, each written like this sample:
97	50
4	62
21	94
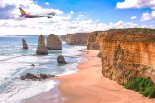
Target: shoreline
89	85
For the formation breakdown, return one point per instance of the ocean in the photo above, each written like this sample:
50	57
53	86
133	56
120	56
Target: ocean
15	62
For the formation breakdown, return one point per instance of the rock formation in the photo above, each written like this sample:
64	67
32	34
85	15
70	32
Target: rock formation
127	53
61	59
25	47
92	44
35	77
53	42
41	49
63	37
76	39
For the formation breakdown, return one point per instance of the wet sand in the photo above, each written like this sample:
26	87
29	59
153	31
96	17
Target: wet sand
88	85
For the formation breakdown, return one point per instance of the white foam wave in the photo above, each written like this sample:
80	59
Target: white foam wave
26	90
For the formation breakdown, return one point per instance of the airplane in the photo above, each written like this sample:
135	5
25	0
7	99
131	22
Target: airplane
27	15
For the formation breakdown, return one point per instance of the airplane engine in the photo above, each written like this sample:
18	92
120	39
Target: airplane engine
49	16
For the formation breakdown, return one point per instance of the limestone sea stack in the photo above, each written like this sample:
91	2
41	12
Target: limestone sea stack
41	49
25	47
53	42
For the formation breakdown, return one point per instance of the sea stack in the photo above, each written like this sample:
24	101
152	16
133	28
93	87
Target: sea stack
53	42
41	49
25	47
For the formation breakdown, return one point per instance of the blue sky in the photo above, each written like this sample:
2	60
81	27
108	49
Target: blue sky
103	10
77	15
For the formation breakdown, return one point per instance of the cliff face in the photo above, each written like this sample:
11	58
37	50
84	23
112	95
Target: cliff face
76	39
91	41
127	53
53	42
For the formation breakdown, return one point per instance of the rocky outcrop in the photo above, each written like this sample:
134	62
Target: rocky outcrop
76	39
53	42
35	77
92	44
41	49
63	37
61	59
127	53
25	47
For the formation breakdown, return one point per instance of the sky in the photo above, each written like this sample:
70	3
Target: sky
74	16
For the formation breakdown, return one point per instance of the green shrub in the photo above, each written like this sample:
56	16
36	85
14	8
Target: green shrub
143	85
152	93
147	91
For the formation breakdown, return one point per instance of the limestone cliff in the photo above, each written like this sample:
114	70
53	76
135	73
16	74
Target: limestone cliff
91	41
41	49
127	53
53	42
76	39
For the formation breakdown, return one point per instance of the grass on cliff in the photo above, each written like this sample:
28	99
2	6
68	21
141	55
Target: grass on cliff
144	86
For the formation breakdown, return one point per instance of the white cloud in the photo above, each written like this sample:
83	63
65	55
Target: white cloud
136	4
139	4
62	23
47	3
133	17
148	16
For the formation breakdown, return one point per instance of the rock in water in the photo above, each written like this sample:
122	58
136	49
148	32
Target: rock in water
35	77
25	47
61	59
30	76
53	42
41	49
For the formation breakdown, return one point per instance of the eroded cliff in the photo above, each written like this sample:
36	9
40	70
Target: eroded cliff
76	39
53	42
91	41
127	53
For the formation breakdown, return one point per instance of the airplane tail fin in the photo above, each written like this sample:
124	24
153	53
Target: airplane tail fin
22	11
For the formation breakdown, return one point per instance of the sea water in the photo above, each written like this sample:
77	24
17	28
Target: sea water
15	62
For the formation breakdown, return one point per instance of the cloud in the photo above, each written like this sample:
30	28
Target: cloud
133	17
62	23
126	4
148	16
136	4
47	3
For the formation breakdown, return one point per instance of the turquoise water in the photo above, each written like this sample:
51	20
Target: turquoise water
14	62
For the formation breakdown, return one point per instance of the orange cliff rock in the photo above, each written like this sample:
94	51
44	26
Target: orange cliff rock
75	39
53	42
127	53
41	49
91	41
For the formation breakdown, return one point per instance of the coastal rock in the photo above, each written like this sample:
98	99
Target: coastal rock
76	39
36	77
61	59
99	54
127	53
41	49
53	42
25	47
30	76
92	44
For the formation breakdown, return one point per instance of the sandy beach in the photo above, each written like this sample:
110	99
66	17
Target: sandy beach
88	85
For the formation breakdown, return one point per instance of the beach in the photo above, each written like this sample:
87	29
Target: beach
88	85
